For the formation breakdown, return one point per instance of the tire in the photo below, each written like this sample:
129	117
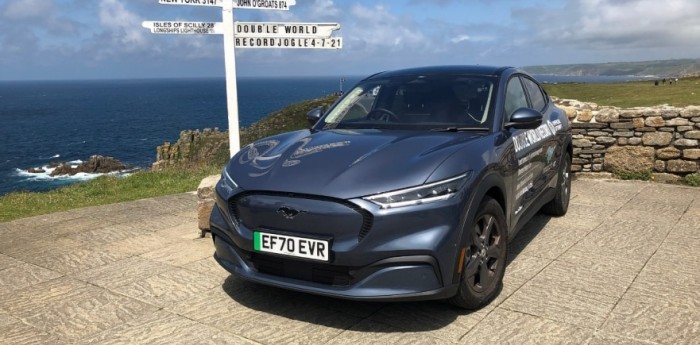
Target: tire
485	257
560	204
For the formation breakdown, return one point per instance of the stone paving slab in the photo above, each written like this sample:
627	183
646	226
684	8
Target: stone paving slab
620	268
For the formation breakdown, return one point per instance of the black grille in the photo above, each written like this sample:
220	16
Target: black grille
302	270
367	217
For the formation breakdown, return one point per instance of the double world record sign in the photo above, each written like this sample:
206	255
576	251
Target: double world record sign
286	35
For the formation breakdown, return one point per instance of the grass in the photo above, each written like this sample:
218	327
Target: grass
102	190
631	94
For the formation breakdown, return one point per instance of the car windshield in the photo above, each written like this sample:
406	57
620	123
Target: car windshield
415	102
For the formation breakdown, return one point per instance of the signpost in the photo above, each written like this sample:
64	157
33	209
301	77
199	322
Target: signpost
248	35
185	28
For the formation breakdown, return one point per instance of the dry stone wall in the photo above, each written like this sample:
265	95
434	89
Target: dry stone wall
660	139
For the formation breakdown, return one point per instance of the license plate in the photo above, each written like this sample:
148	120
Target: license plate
300	247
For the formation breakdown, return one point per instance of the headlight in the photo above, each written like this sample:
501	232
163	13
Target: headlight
441	190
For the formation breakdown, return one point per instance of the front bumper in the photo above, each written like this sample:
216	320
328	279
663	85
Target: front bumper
406	254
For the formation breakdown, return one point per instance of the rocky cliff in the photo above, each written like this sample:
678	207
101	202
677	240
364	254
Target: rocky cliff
193	148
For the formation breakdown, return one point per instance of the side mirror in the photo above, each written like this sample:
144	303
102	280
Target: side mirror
525	118
314	115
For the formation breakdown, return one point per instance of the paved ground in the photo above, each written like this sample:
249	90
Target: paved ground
620	268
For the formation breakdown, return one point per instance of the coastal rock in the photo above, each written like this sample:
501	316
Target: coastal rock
193	148
95	165
36	170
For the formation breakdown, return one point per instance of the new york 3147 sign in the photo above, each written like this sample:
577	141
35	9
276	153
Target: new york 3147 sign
248	35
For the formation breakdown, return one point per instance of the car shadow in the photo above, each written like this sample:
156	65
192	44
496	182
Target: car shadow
330	312
528	232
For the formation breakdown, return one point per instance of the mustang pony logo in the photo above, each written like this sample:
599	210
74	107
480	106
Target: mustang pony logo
288	212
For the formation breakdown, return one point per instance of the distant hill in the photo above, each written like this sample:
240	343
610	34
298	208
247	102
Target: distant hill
659	68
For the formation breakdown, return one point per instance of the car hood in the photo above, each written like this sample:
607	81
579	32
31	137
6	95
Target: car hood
344	163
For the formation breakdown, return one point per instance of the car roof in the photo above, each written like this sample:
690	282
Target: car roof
443	70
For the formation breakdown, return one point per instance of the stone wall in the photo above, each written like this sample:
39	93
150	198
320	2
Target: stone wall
660	139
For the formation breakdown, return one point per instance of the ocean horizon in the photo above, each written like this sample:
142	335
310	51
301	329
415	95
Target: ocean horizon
70	120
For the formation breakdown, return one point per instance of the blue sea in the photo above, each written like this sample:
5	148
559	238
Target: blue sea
68	121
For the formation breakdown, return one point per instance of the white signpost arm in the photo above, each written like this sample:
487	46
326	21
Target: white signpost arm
252	35
234	138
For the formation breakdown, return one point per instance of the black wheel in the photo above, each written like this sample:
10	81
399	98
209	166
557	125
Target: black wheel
382	114
560	204
485	257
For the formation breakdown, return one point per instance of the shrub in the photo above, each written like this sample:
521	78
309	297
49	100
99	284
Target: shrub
692	179
644	175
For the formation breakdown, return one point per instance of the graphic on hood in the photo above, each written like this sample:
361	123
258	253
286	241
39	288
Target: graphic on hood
258	155
303	151
252	155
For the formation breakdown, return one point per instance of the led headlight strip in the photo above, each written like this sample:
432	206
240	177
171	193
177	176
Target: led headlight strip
436	191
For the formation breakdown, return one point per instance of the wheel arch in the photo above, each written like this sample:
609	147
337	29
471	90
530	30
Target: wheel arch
492	186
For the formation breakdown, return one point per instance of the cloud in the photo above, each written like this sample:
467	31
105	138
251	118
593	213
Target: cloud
124	25
467	38
324	9
616	24
27	9
106	35
376	28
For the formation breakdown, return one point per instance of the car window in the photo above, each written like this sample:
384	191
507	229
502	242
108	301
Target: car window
415	102
515	97
536	97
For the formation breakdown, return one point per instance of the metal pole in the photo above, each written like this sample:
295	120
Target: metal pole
234	139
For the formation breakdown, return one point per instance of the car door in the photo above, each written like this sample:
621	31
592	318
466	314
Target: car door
551	149
528	151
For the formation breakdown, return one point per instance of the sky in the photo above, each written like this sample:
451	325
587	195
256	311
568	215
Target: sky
104	39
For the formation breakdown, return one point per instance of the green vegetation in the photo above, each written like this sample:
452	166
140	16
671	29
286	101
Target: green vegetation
289	119
631	94
645	175
692	179
102	190
145	184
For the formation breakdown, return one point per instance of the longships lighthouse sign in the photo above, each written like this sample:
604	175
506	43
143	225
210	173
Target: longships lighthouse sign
248	35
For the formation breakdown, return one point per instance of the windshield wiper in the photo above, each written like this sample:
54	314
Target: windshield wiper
460	129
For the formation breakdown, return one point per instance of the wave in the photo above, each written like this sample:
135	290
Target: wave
52	157
47	170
